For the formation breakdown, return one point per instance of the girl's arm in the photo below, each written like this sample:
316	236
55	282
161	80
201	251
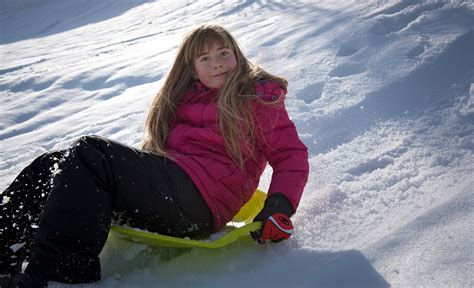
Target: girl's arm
281	145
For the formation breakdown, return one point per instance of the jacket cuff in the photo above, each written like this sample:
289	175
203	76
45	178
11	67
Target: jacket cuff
279	203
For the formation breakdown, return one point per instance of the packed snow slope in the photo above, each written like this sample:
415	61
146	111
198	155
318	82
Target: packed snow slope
382	93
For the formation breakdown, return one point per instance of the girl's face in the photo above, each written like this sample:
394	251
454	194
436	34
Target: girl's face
214	65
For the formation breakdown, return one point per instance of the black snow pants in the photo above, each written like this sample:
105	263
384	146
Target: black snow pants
57	213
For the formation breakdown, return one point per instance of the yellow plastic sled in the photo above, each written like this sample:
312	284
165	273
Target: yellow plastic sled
232	232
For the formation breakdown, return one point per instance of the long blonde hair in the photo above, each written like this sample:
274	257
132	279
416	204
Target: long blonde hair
235	96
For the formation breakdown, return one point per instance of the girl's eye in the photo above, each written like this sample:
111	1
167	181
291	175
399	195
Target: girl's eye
225	53
204	59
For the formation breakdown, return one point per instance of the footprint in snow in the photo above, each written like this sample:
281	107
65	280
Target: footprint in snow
311	92
393	23
347	69
371	165
349	48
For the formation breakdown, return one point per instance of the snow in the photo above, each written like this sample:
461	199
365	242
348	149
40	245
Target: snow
382	93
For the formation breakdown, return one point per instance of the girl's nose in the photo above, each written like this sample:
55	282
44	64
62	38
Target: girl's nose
217	64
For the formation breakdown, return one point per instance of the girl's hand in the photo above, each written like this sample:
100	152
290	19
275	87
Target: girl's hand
275	218
276	228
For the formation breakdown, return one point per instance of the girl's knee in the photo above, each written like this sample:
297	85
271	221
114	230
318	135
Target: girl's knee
87	148
89	140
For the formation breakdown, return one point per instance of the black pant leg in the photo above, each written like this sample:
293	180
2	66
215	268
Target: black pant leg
99	177
76	216
157	195
21	210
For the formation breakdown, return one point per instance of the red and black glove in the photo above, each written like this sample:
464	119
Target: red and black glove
275	218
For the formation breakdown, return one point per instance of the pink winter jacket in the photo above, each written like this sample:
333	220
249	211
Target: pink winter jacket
197	146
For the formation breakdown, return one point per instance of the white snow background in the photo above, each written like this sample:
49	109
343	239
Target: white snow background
382	93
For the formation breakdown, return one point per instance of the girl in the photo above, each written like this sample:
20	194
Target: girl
210	131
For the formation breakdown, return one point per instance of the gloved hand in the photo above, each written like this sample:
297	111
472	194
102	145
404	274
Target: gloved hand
275	218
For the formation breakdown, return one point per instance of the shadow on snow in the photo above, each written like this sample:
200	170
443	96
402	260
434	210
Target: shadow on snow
27	17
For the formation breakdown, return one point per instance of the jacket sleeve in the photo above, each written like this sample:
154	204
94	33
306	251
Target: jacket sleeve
280	144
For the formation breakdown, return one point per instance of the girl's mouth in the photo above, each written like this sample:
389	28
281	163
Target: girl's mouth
220	74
